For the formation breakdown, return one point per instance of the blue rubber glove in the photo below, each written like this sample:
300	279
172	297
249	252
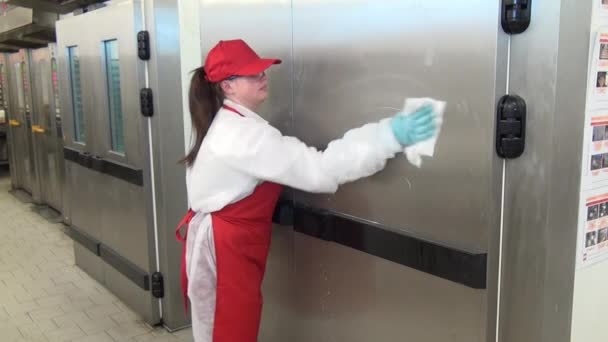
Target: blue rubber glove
414	128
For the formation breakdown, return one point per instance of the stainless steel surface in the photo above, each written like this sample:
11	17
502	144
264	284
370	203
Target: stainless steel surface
112	210
4	108
319	291
27	28
82	197
549	70
16	130
279	289
495	233
13	135
56	142
125	219
347	65
131	294
168	145
48	146
30	116
356	65
40	87
74	193
21	111
89	262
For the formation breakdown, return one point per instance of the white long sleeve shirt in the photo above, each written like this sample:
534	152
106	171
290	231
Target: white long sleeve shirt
239	152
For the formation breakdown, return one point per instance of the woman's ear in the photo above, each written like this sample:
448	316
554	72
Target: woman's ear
226	87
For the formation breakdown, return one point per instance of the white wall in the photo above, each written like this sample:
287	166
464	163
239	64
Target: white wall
190	45
590	306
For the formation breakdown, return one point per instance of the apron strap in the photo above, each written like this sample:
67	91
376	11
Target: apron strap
185	221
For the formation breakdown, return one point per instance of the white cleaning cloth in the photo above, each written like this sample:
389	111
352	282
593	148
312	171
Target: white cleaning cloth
415	152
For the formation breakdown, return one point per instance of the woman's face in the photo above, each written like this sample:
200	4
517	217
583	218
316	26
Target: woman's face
250	91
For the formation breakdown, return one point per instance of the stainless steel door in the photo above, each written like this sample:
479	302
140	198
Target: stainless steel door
356	64
109	183
16	167
4	119
22	114
347	64
56	164
47	150
40	114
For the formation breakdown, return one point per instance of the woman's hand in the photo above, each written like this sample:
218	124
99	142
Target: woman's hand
416	127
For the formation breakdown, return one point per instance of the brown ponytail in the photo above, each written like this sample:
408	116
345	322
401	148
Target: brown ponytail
205	99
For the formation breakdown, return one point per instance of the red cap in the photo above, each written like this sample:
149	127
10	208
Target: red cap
234	58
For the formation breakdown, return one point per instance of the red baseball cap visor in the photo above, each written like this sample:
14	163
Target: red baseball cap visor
257	66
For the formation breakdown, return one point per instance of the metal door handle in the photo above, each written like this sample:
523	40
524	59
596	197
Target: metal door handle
14	123
38	129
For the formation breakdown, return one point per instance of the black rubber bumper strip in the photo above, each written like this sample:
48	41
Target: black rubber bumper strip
84	239
105	166
463	267
124	266
112	258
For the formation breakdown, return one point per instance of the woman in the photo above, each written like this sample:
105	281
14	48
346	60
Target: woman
234	171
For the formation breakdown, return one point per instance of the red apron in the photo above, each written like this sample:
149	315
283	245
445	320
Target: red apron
242	233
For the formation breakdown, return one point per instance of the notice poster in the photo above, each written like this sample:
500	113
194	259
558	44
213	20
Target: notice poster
601	9
599	70
593	229
596	158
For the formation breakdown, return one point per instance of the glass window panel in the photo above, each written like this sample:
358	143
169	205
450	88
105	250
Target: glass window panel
114	99
76	89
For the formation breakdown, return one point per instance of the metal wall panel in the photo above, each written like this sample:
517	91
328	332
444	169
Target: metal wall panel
549	70
350	64
355	64
162	21
340	294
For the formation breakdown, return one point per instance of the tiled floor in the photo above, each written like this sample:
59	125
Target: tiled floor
45	297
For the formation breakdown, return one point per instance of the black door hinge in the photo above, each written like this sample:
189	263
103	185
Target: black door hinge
146	102
516	15
157	285
510	126
143	45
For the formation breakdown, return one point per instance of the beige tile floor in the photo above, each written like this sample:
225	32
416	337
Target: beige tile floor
45	297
